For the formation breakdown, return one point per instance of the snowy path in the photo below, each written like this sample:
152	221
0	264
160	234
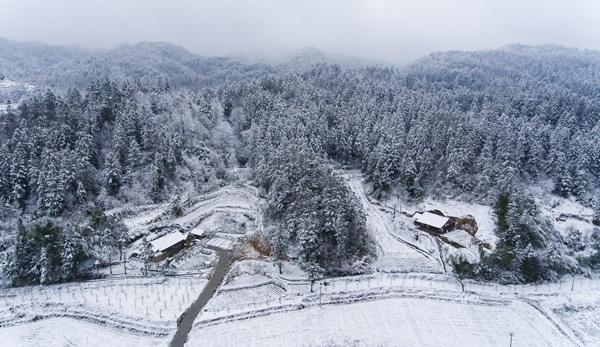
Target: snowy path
395	254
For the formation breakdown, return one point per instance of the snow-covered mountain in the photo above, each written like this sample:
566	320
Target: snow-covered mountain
234	200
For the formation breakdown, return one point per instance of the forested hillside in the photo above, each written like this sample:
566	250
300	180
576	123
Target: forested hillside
428	129
66	159
68	67
480	126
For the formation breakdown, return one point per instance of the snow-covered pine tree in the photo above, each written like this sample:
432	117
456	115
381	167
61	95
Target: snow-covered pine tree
5	191
19	169
315	272
68	256
279	246
580	175
157	179
51	186
134	155
42	268
112	174
596	207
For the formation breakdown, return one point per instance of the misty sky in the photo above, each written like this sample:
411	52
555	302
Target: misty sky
386	30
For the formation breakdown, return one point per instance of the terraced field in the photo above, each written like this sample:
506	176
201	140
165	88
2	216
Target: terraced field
61	332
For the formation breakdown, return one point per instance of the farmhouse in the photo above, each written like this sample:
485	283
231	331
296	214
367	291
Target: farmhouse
433	222
168	245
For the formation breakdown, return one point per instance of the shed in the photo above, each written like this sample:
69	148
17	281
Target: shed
432	222
168	244
197	233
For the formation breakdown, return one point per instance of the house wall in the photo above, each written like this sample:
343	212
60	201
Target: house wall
429	228
170	251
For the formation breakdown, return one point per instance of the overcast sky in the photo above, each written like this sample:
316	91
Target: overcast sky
388	30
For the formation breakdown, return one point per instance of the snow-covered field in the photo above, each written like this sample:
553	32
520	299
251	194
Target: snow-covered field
390	322
220	243
580	312
59	332
149	305
141	220
399	309
232	199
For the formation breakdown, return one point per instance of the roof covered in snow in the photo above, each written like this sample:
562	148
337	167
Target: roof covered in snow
197	232
220	242
166	241
431	219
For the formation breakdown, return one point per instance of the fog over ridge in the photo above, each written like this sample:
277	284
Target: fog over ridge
382	30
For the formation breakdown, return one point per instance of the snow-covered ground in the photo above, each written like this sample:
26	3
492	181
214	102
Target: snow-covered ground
405	248
229	213
410	299
232	198
220	243
391	309
390	322
398	250
205	212
150	305
483	215
193	259
131	304
59	332
6	85
404	305
137	223
567	215
579	312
